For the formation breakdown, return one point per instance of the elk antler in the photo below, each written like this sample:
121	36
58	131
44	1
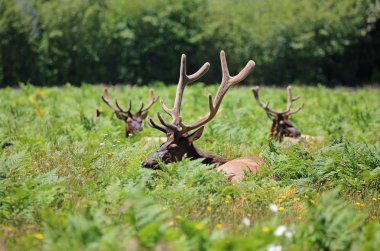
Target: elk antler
273	113
116	108
184	79
151	101
175	112
120	110
176	125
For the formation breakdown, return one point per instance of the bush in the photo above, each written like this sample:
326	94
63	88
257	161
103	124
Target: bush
17	52
81	41
53	42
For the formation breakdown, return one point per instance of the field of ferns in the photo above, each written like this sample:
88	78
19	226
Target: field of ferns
70	180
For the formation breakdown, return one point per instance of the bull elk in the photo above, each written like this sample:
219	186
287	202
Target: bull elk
282	128
281	125
133	122
181	137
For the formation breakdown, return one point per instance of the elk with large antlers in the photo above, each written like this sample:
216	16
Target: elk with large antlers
133	122
181	136
281	125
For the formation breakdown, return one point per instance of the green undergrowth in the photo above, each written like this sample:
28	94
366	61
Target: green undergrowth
71	181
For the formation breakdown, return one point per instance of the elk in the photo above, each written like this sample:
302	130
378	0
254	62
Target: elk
133	122
281	125
180	136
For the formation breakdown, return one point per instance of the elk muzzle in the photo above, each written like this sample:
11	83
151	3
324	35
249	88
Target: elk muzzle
169	152
162	154
292	132
151	162
132	125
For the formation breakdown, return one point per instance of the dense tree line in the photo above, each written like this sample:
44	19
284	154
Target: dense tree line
51	42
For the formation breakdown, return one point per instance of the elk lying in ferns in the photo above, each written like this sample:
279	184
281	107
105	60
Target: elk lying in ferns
282	128
180	136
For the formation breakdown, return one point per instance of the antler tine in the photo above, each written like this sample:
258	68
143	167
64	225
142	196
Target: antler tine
227	82
290	101
270	113
170	126
292	111
141	107
289	88
128	111
151	123
151	101
106	99
184	79
255	91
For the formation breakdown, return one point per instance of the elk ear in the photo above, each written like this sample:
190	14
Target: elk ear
196	135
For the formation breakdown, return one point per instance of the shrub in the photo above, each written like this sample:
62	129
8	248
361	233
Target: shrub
58	41
17	51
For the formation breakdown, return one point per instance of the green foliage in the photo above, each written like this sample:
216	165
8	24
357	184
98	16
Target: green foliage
168	24
70	181
333	225
81	41
59	41
17	44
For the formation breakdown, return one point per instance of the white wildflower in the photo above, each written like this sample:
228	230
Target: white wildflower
105	135
280	230
273	207
274	247
246	221
288	234
101	144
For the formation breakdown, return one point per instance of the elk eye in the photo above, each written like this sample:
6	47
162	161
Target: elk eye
172	146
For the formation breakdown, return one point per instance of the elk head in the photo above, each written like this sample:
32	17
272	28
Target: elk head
281	125
180	136
133	122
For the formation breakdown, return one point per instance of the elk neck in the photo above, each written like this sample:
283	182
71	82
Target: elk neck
207	157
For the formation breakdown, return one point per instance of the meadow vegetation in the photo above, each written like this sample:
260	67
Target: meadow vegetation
70	181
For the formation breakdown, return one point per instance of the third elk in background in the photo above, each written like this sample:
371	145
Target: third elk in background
282	128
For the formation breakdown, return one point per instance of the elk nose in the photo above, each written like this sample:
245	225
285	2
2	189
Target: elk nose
144	164
149	164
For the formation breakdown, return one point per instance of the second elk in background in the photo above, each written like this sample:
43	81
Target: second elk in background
133	122
282	128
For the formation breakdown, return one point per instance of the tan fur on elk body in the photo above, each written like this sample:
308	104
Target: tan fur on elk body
303	138
180	137
236	168
154	139
133	121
